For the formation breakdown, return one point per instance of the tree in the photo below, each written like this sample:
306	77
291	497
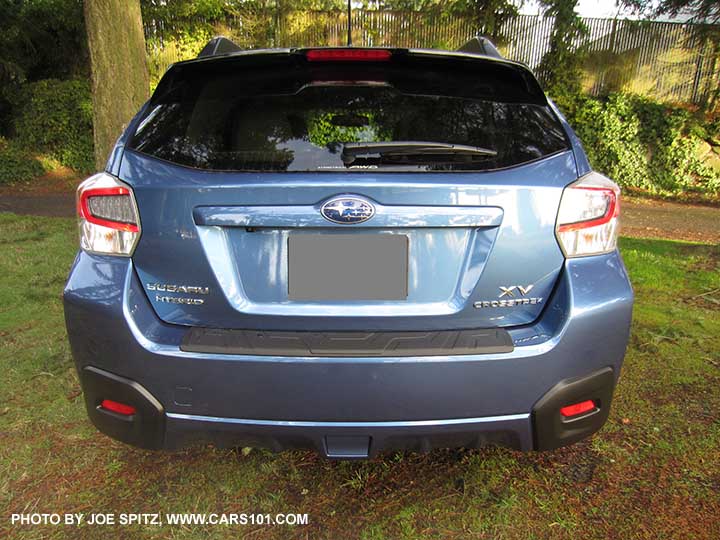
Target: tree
699	11
560	67
491	15
41	40
120	82
488	15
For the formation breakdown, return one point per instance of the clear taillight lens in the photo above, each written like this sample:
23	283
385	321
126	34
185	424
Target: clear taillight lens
588	219
108	216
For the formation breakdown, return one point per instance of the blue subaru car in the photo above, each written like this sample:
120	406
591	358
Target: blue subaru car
352	250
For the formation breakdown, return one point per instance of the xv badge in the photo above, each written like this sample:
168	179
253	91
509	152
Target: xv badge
509	291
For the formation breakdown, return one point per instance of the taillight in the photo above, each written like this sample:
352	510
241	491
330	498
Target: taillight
588	219
348	55
108	217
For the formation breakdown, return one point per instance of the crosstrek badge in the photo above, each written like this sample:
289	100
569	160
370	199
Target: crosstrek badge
512	296
508	303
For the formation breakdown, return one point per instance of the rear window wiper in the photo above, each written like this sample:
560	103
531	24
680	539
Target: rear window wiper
410	148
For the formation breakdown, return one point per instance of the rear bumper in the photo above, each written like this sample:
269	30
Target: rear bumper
348	407
151	427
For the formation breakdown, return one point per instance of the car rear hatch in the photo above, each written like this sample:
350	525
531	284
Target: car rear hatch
408	190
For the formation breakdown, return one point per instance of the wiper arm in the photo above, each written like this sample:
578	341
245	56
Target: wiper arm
398	148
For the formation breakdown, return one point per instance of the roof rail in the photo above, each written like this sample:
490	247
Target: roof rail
218	45
481	45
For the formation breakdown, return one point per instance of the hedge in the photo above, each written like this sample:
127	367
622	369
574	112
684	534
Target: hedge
17	164
54	117
645	144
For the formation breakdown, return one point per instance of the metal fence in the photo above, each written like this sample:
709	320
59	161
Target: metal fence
664	60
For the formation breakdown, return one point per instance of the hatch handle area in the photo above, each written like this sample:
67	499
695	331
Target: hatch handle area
292	216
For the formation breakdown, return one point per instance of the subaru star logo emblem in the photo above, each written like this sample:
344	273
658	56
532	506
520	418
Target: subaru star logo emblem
347	210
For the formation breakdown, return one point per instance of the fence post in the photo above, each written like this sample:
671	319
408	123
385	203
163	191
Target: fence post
698	72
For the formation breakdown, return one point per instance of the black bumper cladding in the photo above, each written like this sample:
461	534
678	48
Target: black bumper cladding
347	344
145	428
551	430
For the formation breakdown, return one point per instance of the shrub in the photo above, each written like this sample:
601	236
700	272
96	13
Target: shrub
55	117
16	164
644	144
180	46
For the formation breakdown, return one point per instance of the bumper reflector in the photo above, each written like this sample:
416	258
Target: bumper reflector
577	408
120	408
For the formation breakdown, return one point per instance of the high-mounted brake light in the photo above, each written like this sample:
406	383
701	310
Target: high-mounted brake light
588	219
117	407
108	217
578	408
348	55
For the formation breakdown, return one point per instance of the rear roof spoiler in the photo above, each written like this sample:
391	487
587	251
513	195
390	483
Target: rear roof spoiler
218	45
221	49
477	45
481	45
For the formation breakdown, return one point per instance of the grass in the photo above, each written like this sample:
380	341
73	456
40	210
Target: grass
652	472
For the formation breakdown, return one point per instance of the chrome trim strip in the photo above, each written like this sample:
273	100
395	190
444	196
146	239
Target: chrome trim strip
293	216
308	424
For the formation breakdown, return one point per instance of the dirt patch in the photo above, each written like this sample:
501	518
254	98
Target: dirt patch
60	180
51	195
698	198
642	218
709	300
49	205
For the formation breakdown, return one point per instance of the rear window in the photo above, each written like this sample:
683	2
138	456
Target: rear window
254	120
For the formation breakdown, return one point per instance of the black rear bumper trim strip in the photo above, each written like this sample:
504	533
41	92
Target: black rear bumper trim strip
347	344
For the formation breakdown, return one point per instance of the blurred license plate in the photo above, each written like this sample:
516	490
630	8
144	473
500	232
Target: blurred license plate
347	267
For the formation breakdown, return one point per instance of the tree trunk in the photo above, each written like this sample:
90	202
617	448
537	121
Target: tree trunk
120	83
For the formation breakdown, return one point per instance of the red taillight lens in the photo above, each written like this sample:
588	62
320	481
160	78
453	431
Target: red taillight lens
605	198
577	408
117	407
588	218
110	207
348	55
107	216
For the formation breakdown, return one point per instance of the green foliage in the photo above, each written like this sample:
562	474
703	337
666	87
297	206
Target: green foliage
41	39
489	16
179	30
55	118
17	164
643	144
700	11
560	68
712	130
322	131
181	45
186	11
